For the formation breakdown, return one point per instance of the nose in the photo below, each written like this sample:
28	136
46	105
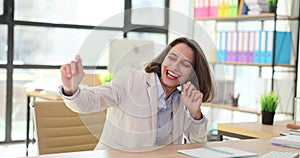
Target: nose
174	66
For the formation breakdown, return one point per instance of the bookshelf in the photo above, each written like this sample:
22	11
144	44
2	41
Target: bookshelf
286	67
265	16
253	64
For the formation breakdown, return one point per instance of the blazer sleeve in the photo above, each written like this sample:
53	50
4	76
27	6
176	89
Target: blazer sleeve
195	133
94	99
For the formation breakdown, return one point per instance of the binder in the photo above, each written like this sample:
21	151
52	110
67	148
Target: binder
219	40
256	57
283	47
244	57
213	9
222	46
221	8
200	8
197	9
205	8
240	44
226	8
269	47
229	51
233	8
234	46
263	45
251	44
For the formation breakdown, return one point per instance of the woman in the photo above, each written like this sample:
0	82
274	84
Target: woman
146	108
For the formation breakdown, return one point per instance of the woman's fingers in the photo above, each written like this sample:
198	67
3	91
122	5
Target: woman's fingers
79	66
189	88
196	95
63	71
73	67
191	92
68	70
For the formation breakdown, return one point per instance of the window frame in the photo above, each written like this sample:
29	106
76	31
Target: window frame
8	19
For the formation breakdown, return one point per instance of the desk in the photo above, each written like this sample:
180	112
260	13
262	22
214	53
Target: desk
259	146
232	108
36	94
248	130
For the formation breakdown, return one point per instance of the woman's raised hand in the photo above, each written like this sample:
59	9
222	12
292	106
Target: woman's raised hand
193	100
71	75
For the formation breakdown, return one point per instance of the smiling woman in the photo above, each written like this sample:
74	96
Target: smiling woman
177	66
146	107
193	59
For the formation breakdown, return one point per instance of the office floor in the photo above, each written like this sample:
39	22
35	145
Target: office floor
15	150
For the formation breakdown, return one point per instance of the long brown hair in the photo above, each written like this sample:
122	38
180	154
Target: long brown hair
203	80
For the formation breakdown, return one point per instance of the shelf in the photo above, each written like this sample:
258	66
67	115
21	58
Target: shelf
253	64
266	16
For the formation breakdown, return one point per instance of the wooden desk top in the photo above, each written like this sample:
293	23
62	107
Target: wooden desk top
256	129
233	108
44	95
259	146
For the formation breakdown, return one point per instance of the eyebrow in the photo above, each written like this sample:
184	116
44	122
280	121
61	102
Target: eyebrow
171	53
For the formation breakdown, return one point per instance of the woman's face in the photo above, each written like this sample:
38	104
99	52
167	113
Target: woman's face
177	67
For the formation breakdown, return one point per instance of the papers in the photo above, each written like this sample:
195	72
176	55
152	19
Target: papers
274	154
295	132
216	152
288	141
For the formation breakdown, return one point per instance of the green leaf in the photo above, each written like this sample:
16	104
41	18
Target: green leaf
269	102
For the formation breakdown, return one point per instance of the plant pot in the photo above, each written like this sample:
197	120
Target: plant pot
235	101
267	117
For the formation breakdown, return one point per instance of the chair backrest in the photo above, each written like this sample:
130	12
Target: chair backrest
91	80
59	129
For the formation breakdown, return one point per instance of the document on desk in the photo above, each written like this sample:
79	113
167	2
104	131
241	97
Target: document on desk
216	152
295	132
288	141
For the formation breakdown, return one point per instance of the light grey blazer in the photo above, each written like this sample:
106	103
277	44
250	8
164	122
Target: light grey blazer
131	121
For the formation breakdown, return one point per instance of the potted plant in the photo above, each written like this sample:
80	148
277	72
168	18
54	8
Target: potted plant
268	103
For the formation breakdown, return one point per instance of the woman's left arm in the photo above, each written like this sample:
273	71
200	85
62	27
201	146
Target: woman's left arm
192	98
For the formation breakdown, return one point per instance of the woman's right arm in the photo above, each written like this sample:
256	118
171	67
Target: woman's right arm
89	99
71	76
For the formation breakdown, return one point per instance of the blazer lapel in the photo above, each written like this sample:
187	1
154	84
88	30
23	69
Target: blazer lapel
152	92
178	121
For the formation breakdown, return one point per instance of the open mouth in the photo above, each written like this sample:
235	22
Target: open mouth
171	75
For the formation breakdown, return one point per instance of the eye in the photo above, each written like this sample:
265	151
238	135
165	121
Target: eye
186	64
172	57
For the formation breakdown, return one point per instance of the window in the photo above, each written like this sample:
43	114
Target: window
148	12
49	33
159	38
1	7
81	12
2	103
3	44
23	79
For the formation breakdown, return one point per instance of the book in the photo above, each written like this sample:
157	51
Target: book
287	141
208	152
243	9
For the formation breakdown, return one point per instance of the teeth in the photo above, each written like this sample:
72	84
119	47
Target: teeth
172	74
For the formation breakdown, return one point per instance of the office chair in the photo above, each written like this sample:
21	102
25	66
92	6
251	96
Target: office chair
59	129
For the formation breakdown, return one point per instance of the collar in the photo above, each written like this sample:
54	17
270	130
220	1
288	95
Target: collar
161	93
